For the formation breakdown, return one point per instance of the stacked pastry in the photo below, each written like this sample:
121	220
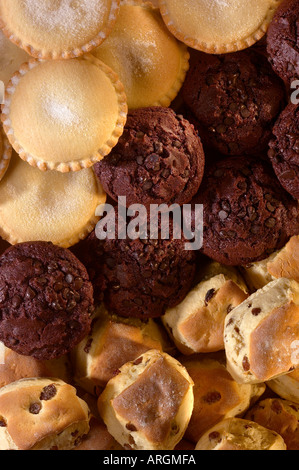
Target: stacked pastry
134	341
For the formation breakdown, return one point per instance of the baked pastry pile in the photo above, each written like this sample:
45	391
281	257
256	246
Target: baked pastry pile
135	342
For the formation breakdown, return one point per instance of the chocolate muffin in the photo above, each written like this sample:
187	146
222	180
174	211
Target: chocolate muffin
247	213
159	159
283	41
284	149
138	278
235	99
46	300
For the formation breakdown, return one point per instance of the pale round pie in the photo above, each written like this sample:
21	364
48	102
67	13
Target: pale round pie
149	61
5	153
218	26
64	115
48	206
58	29
11	58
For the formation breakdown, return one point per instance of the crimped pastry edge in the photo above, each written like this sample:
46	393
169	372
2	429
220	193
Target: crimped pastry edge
172	93
67	54
72	165
211	48
9	235
6	154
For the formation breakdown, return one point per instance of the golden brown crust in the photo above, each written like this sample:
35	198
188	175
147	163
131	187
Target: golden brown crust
16	367
286	262
149	61
286	386
216	395
111	343
30	416
282	326
237	44
73	164
163	390
52	54
197	323
148	393
124	343
98	438
260	334
240	434
57	215
282	416
209	319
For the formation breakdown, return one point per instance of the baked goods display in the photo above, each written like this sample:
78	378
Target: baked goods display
58	29
82	97
234	100
240	434
260	334
148	404
15	367
282	43
149	61
149	224
41	414
208	27
284	150
136	281
248	214
58	216
283	263
163	152
197	323
112	342
281	416
46	300
217	396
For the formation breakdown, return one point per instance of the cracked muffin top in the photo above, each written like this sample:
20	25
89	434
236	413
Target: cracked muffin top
235	99
248	214
159	159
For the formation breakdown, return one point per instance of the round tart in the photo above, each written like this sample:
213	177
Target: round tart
64	115
51	206
11	58
5	153
218	26
150	62
58	29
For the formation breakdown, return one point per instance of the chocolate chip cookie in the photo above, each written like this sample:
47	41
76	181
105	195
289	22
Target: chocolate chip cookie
235	99
284	149
138	278
46	300
247	213
159	159
283	41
